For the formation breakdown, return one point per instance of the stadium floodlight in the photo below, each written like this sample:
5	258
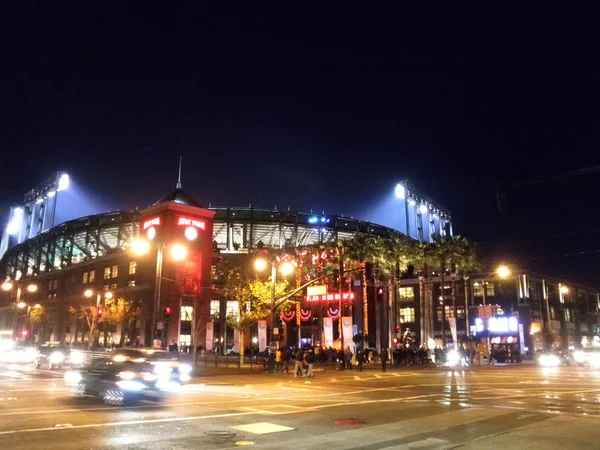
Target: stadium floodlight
400	191
63	182
51	194
15	221
422	209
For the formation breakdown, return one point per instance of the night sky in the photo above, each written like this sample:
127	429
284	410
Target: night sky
323	105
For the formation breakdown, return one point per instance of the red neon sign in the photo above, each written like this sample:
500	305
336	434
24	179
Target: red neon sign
329	297
151	222
187	222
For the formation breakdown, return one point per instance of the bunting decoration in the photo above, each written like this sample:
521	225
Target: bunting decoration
305	315
288	316
334	313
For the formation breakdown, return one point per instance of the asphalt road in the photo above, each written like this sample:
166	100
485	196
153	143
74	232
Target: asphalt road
488	407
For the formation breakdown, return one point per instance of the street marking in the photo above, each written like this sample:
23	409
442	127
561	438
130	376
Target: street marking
130	422
356	377
378	376
425	443
262	428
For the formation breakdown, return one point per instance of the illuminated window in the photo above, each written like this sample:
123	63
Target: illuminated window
478	289
406	314
105	287
406	294
568	315
449	313
113	286
92	276
132	267
115	271
85	277
215	307
187	313
131	283
106	273
233	308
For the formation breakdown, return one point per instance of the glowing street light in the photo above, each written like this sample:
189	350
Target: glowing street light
108	295
37	306
178	252
191	233
564	289
140	247
32	288
260	264
63	182
7	286
21	305
286	268
88	293
503	271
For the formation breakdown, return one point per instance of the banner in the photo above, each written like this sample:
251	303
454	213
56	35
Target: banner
521	339
236	340
347	332
328	331
210	326
262	335
452	322
188	274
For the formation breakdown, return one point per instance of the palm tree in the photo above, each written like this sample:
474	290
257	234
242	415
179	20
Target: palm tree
456	254
420	259
361	250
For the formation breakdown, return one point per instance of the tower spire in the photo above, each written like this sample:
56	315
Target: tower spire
178	186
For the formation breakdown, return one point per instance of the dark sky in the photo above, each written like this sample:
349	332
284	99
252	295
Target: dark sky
324	105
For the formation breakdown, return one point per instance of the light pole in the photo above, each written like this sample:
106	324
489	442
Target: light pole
285	268
8	286
178	252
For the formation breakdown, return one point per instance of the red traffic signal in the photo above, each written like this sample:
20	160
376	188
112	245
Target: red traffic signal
168	310
380	291
100	311
25	333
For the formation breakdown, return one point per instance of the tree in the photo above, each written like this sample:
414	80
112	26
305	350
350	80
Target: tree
361	250
38	317
93	315
252	294
120	312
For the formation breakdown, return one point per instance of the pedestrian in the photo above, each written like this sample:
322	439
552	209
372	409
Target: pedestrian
384	359
298	363
341	358
348	358
309	357
278	360
330	354
360	358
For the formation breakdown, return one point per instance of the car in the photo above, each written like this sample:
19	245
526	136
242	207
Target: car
52	356
162	360
588	356
554	358
118	381
19	355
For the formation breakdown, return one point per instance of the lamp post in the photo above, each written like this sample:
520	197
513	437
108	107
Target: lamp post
178	252
8	286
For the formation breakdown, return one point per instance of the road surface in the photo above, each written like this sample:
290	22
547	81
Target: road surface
488	407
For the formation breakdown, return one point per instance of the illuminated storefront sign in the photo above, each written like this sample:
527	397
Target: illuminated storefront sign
498	325
188	222
151	223
330	297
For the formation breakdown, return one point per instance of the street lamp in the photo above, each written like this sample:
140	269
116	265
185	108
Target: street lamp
89	293
140	247
501	272
260	264
7	286
564	289
32	288
285	268
21	305
178	252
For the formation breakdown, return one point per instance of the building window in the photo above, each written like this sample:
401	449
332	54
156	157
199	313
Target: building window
449	313
233	308
552	313
92	276
105	287
113	286
106	273
85	277
132	267
115	271
186	313
131	283
568	315
478	289
406	294
52	285
215	307
406	315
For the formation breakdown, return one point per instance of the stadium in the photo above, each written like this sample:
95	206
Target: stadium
54	268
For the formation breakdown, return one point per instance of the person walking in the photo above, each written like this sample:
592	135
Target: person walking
298	363
309	357
384	359
348	358
360	358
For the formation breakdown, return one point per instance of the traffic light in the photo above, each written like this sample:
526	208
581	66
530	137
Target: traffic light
168	310
100	311
25	333
380	294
